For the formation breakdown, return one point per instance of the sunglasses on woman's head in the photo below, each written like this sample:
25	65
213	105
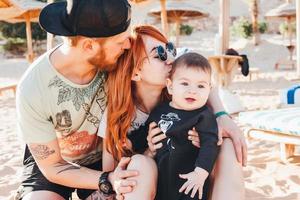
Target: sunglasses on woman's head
162	53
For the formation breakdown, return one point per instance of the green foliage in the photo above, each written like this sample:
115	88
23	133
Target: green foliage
283	28
16	45
18	30
262	27
243	27
1	36
186	29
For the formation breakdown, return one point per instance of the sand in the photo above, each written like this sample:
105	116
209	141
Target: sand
266	177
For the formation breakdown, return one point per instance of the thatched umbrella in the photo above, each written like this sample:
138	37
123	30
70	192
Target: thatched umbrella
163	15
27	11
285	11
177	11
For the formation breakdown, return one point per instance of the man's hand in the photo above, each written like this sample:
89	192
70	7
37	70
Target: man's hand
194	182
228	128
118	177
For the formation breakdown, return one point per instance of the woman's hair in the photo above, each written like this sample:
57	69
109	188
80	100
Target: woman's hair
121	91
191	60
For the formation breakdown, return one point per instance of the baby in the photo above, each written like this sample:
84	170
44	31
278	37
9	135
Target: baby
183	168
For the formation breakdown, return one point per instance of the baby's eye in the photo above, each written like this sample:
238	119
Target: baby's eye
184	83
200	86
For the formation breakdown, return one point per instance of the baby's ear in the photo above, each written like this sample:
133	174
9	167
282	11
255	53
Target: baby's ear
169	86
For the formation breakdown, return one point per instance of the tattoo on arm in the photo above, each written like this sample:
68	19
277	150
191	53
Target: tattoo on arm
42	152
98	196
65	166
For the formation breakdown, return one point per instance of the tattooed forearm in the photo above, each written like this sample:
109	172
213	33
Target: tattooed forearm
42	152
99	196
66	166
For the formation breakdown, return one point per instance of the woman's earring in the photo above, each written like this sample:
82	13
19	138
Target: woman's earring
136	77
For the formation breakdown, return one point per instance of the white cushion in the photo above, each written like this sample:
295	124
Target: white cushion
286	121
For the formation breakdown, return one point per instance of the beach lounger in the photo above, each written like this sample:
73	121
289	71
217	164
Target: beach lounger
290	96
12	87
281	125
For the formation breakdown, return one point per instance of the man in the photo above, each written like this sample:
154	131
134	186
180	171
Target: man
61	98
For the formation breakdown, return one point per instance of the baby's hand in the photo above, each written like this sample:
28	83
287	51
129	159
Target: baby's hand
195	181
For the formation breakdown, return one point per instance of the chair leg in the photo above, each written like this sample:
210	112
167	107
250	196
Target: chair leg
290	149
286	151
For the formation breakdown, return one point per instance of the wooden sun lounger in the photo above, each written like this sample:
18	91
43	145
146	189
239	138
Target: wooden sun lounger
287	142
278	125
12	87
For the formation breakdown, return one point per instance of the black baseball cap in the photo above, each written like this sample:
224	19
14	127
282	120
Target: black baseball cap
90	18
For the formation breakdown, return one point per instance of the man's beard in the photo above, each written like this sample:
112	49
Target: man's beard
100	61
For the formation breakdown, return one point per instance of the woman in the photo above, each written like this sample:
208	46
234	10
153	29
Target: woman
141	74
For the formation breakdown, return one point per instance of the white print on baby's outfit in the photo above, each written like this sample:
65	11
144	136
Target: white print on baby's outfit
166	123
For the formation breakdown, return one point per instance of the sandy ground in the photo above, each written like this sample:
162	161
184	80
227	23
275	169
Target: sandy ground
265	176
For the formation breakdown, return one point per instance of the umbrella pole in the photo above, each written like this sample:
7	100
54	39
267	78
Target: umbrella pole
254	16
177	24
164	19
49	41
298	36
223	25
49	35
289	30
30	55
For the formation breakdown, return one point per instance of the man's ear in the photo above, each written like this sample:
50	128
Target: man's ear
89	46
169	86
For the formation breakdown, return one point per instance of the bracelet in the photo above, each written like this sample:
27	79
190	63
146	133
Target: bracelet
219	114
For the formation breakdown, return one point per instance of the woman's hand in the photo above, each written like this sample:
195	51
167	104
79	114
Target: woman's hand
118	178
194	137
154	138
228	128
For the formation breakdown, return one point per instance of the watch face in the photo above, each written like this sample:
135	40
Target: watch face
104	188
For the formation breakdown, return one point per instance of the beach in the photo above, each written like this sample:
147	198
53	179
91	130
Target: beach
266	176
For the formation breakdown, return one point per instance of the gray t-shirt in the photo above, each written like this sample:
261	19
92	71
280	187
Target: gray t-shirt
51	107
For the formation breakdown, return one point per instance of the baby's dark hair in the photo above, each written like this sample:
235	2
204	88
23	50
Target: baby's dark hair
191	60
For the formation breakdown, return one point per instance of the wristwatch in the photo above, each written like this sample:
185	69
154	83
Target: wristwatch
104	185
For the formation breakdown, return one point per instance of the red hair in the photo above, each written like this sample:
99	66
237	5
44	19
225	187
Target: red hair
121	91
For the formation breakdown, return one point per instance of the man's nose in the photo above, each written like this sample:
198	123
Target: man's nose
126	44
